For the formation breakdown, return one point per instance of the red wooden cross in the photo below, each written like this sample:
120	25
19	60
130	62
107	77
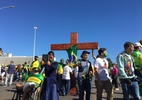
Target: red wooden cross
73	41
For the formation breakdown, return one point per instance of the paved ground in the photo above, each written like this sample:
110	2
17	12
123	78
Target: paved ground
7	94
117	95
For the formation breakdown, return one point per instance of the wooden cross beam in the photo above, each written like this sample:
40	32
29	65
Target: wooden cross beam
73	41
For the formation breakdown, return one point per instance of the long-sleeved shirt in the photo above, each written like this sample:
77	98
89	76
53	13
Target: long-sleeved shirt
51	70
125	65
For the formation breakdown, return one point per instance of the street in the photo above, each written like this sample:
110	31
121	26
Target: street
6	93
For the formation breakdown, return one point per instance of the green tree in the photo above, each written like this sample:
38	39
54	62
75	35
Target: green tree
109	62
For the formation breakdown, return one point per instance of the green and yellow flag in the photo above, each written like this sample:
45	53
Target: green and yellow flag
72	54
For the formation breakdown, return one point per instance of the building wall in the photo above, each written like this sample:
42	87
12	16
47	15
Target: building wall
17	59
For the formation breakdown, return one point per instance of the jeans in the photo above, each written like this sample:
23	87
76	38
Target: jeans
17	76
84	85
133	89
7	78
66	86
91	84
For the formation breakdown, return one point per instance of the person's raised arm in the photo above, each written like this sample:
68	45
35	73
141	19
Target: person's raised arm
93	54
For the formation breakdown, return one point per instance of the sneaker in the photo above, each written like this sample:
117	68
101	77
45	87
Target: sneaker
4	85
63	94
60	93
2	82
103	94
77	93
116	89
131	97
68	94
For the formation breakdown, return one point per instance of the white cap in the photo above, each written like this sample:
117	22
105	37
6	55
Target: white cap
137	44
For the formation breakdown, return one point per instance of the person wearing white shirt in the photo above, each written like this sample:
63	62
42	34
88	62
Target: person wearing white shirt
66	78
102	79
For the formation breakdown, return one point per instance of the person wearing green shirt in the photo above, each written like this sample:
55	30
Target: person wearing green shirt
137	61
33	82
140	41
25	71
59	74
136	55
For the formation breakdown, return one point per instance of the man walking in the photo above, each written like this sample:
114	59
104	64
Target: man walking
9	73
102	78
127	77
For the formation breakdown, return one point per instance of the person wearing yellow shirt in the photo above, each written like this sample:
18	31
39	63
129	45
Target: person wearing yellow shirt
25	71
59	74
32	82
35	63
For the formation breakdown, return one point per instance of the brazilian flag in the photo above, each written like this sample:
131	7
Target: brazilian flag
72	54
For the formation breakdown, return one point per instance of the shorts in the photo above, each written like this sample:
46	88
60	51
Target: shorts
28	84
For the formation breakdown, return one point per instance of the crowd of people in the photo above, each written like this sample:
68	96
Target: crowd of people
52	78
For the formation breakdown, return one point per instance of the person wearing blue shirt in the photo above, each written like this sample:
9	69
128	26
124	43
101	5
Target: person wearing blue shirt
9	73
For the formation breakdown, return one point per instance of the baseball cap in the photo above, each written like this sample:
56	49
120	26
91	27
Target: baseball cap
137	44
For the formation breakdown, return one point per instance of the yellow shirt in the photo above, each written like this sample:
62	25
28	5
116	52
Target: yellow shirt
60	69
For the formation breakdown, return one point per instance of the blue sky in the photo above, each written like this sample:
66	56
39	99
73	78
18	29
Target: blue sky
109	22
